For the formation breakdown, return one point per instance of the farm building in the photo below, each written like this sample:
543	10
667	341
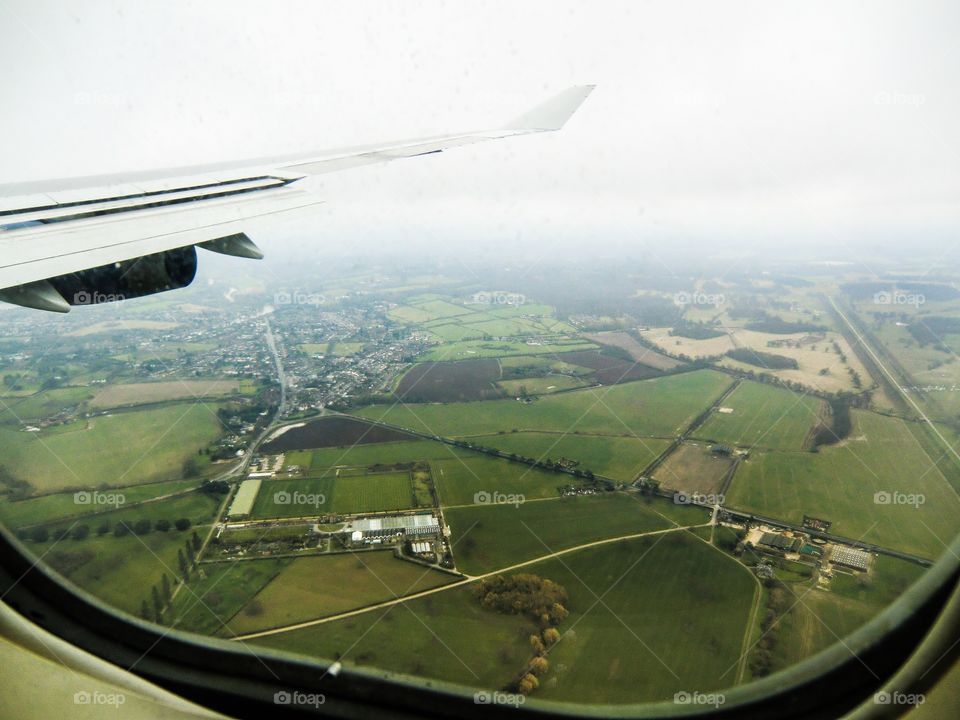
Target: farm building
410	525
243	502
850	557
780	542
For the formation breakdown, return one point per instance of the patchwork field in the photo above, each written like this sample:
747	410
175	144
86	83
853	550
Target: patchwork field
658	407
489	537
763	416
620	458
504	348
313	587
839	484
111	450
693	468
332	431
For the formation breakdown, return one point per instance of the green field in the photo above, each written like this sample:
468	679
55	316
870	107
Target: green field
763	416
693	468
658	407
459	479
208	602
620	458
488	537
111	450
541	385
63	505
671	616
839	482
674	594
119	571
340	491
320	460
15	410
314	587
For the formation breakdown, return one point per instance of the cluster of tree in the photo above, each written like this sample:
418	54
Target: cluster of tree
778	603
931	331
215	487
544	602
12	486
696	331
837	427
122	528
538	598
770	361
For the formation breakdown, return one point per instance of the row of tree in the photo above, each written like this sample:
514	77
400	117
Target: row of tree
121	528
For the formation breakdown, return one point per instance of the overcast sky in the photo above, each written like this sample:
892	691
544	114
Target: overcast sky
756	122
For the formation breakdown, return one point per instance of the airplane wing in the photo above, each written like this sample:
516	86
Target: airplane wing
94	239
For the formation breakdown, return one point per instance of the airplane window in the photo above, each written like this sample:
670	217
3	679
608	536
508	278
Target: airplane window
656	403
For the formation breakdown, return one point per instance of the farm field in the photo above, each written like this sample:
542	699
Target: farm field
119	571
839	484
143	393
489	537
330	431
320	461
458	380
458	480
48	508
609	370
540	385
638	352
119	325
657	407
684	599
198	507
111	450
468	349
337	492
313	587
476	647
15	410
763	416
620	458
693	468
673	615
226	587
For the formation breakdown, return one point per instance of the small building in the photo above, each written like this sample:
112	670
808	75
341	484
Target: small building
242	503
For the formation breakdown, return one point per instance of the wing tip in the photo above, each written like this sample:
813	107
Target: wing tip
554	113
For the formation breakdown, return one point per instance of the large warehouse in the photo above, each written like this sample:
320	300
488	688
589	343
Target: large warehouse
850	557
410	525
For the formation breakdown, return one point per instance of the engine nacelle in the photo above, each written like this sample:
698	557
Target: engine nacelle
146	275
